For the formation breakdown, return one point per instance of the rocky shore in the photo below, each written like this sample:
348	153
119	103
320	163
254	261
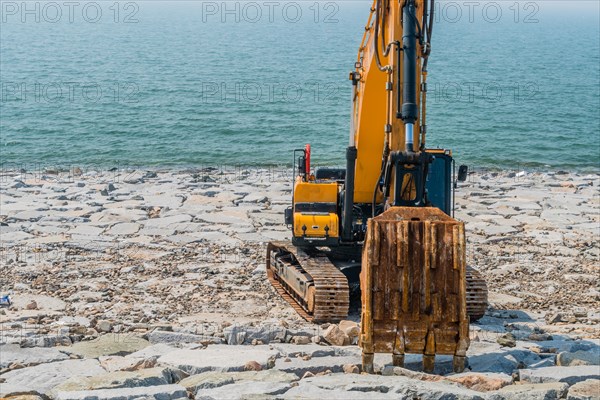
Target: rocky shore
134	283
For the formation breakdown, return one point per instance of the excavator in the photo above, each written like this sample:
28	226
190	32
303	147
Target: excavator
384	223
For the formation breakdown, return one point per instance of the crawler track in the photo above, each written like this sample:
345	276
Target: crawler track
318	290
477	294
312	285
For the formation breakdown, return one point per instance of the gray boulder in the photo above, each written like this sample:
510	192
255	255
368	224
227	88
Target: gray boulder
196	384
267	333
570	375
162	392
585	390
219	358
117	379
580	357
244	390
43	377
157	336
353	386
106	345
299	366
535	391
12	353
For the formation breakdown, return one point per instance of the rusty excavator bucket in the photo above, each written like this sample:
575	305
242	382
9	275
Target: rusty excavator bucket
414	287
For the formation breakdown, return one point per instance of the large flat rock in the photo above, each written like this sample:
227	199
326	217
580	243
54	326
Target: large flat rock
244	390
312	350
570	375
118	379
353	386
162	392
311	392
501	361
299	366
108	345
580	357
43	377
585	390
180	337
219	358
43	302
12	353
534	391
197	384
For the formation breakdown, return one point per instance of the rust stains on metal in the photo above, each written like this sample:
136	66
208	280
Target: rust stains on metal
414	287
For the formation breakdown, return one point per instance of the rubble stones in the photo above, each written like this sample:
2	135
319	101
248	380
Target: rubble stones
169	265
507	340
351	369
335	336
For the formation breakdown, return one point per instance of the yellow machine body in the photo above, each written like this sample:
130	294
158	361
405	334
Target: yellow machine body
315	209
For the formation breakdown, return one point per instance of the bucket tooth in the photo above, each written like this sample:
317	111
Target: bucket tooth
458	364
398	360
367	363
428	363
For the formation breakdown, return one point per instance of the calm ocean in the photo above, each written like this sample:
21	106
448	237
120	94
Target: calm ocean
512	84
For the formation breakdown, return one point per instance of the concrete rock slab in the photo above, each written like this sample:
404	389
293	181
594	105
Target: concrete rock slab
536	391
586	390
126	228
12	353
580	357
311	392
380	387
118	379
155	350
244	390
181	337
570	375
219	358
196	384
162	392
43	377
106	345
312	350
44	303
315	365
